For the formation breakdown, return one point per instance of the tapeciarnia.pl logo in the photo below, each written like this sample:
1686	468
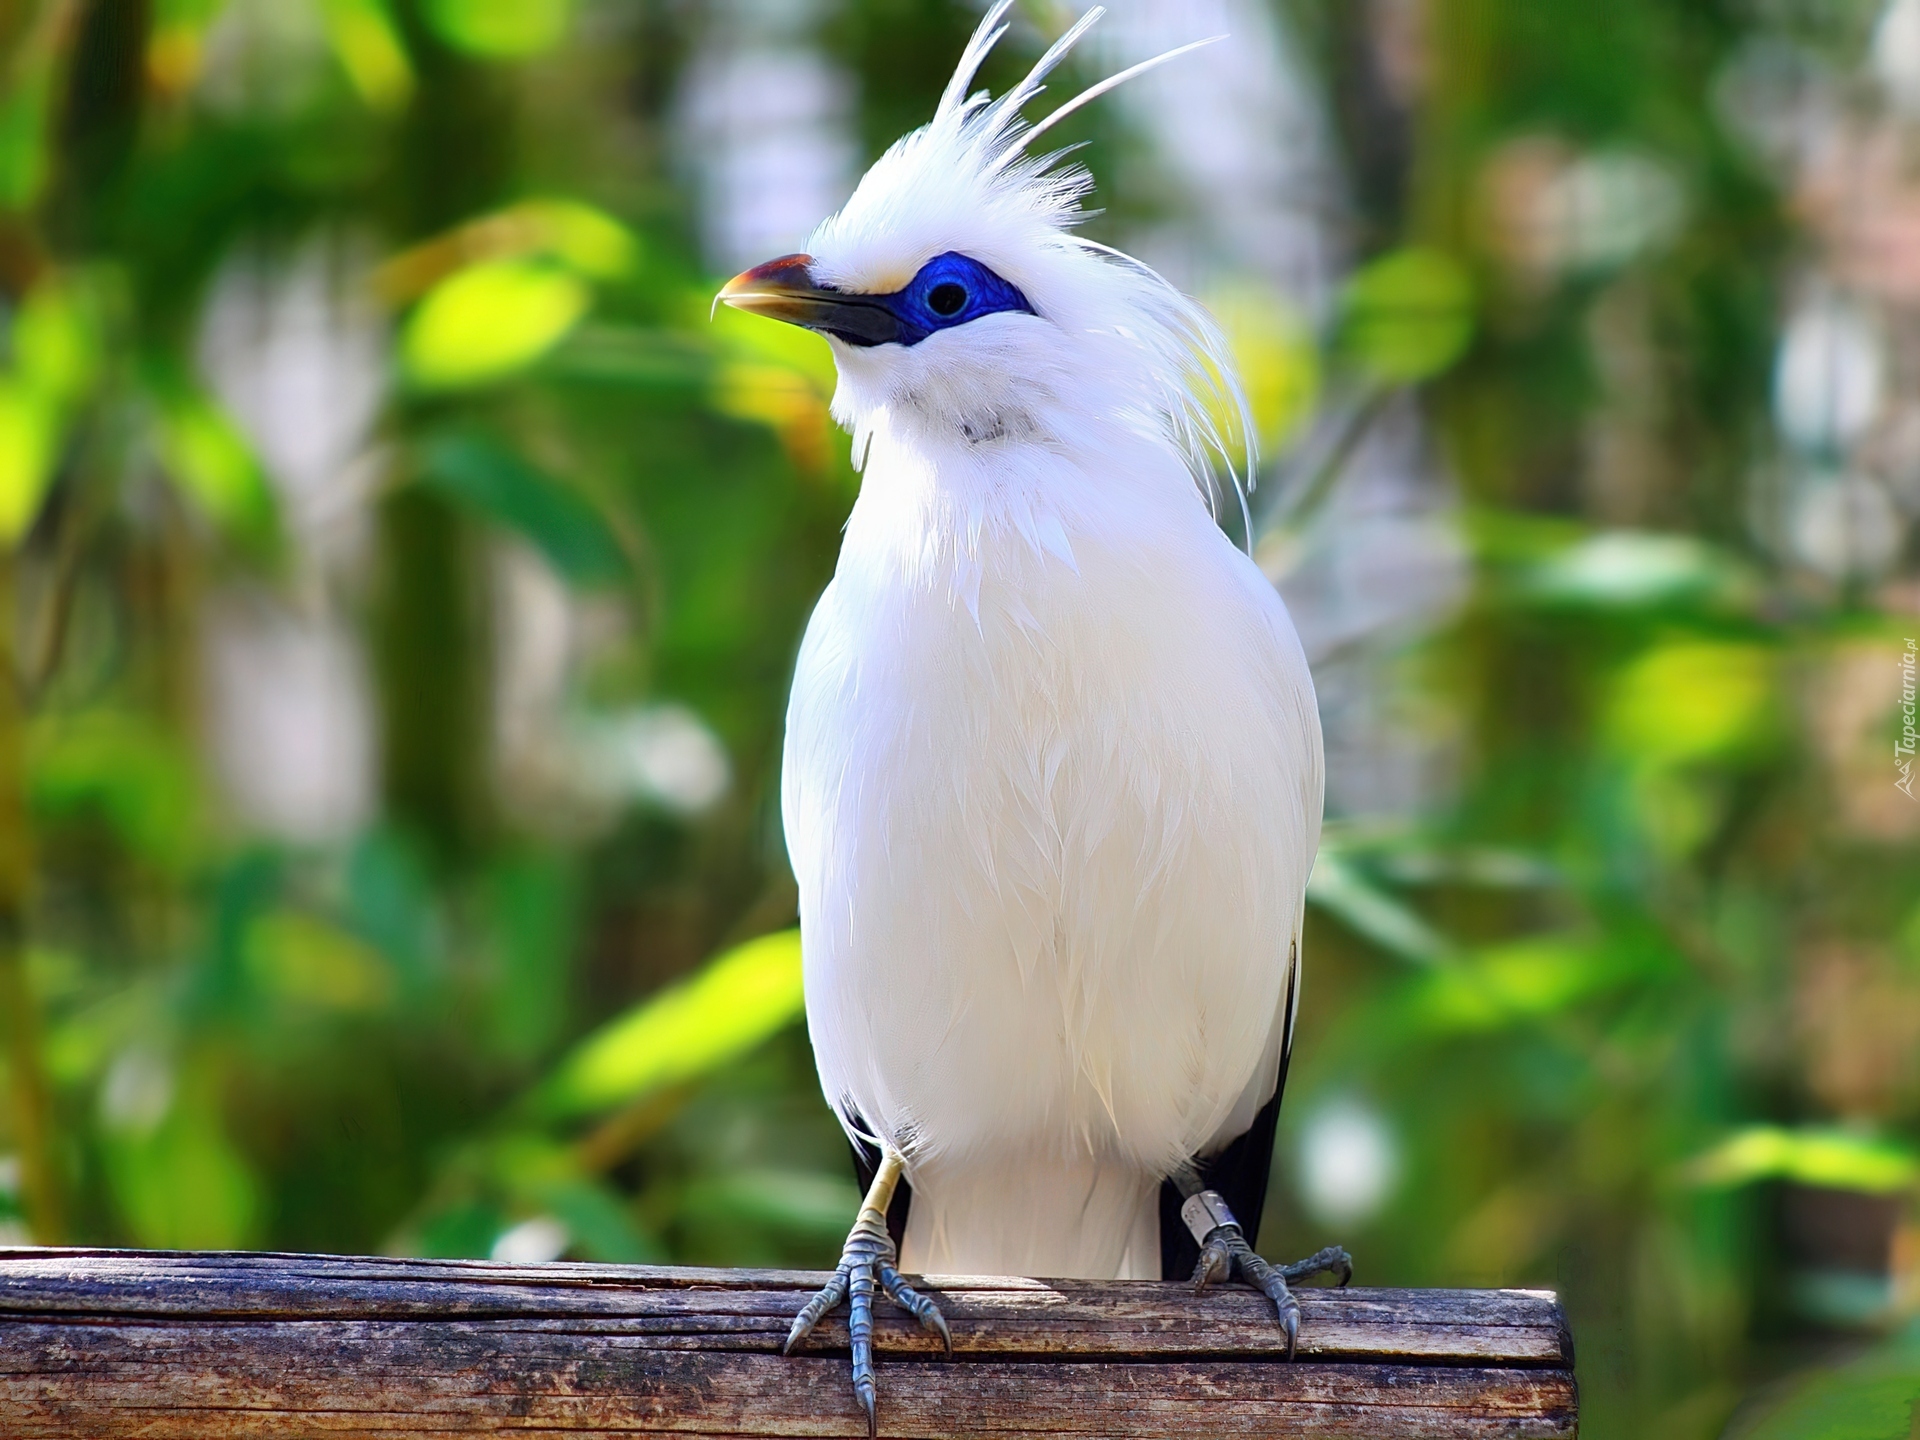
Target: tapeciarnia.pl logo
1903	745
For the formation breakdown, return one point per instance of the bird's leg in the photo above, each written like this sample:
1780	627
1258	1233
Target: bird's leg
869	1258
1226	1255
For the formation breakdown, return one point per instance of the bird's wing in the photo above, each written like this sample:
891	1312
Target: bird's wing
1239	1171
1240	1160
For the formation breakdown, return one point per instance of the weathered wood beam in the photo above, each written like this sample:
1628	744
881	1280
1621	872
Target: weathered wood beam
126	1343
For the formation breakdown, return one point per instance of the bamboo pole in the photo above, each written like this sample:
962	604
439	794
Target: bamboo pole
110	1344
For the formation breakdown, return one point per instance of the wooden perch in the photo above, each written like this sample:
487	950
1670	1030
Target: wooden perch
104	1343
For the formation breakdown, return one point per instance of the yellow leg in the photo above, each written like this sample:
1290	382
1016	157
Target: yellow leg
886	1180
867	1265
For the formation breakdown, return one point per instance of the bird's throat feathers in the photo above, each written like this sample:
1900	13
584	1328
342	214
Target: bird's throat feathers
986	508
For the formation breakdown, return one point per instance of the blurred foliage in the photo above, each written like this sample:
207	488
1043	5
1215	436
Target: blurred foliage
1406	316
1644	978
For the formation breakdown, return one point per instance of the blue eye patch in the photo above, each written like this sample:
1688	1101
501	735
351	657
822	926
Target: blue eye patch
950	290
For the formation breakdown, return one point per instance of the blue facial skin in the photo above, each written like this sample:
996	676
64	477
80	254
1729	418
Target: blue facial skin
950	290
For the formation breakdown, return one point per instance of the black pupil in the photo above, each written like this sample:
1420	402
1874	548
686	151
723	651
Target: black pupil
947	298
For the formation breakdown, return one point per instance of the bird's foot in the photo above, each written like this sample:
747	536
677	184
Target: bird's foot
866	1264
1225	1255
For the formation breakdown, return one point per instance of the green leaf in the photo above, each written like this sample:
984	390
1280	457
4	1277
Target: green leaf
1907	938
1630	569
463	1230
371	52
599	1222
1692	700
1814	1156
495	482
55	355
390	901
1873	1397
25	102
736	1003
305	962
586	238
1510	984
182	1185
533	905
1407	316
29	443
488	321
500	29
1368	910
55	346
121	765
80	1043
206	456
800	1201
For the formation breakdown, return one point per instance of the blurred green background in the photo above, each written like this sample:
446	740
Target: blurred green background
401	572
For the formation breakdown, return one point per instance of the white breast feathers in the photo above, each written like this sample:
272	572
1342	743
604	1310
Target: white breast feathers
1052	791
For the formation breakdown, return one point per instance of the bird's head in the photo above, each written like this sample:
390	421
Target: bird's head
962	307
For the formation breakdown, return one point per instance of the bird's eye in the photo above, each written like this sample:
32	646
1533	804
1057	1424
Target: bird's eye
947	298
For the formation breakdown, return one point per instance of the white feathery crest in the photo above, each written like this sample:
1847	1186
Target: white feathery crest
967	182
987	35
1002	114
1112	82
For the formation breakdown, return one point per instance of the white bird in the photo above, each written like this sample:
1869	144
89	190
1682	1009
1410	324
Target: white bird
1053	774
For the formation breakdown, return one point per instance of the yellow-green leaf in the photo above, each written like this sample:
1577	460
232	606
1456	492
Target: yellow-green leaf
1279	366
54	346
208	457
369	49
1407	316
570	234
1691	700
687	1030
586	238
309	963
500	29
176	44
489	320
775	395
1507	984
1833	1158
29	441
752	341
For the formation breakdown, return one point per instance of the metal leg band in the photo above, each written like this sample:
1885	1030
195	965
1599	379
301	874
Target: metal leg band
1205	1211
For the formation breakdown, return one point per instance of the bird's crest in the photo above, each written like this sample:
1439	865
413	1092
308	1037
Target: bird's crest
968	181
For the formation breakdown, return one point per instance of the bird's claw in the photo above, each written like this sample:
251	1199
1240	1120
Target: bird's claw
1226	1255
867	1264
917	1305
1333	1260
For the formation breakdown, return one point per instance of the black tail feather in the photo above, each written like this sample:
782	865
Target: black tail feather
1239	1173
